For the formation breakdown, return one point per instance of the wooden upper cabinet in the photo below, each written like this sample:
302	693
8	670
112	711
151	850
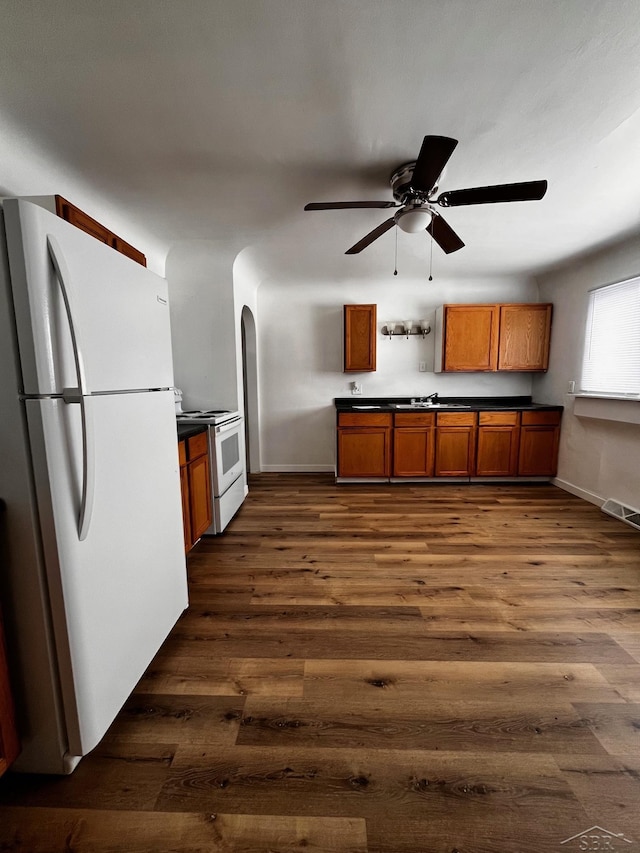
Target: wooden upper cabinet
359	338
470	337
525	332
81	220
493	337
130	251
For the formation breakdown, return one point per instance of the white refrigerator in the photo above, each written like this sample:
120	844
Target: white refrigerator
93	573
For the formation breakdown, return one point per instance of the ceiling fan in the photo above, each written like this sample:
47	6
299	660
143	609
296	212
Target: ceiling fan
414	186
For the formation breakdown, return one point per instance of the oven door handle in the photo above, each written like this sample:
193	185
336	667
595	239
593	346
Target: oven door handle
228	426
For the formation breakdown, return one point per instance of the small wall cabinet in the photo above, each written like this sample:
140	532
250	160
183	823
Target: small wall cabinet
359	338
514	336
364	445
195	482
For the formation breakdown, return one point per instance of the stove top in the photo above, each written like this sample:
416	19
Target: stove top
210	416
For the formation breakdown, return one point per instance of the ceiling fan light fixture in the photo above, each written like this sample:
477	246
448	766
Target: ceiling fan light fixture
413	219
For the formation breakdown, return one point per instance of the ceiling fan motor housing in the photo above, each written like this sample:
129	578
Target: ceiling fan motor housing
400	180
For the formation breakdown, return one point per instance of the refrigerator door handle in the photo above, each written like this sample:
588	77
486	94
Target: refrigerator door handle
70	395
88	468
77	395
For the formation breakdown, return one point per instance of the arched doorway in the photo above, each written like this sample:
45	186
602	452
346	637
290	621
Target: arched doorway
250	389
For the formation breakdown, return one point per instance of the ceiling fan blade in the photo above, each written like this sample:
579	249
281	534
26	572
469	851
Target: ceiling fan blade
433	157
371	236
343	205
444	235
526	191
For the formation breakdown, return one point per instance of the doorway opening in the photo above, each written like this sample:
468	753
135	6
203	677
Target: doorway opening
250	389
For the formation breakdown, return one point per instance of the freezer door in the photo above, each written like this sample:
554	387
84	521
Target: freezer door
68	285
115	594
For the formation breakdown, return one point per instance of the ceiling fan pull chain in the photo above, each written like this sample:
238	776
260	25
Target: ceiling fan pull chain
395	271
431	261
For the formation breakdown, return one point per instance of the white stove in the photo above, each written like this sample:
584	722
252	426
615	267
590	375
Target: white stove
226	456
212	416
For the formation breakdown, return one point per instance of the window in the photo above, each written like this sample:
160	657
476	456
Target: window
611	363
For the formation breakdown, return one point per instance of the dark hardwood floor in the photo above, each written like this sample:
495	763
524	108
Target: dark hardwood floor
397	668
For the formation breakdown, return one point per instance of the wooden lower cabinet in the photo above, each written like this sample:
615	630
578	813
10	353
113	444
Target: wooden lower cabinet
9	742
195	483
413	445
539	442
364	445
448	444
498	443
455	444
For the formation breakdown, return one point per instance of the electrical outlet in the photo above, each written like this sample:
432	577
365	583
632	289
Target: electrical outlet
356	388
572	387
422	366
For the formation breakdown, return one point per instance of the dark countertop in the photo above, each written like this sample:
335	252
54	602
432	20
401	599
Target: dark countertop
187	430
474	404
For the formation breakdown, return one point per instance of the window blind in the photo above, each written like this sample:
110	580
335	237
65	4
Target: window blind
611	363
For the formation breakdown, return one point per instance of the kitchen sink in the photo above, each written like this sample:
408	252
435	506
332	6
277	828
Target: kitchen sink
430	406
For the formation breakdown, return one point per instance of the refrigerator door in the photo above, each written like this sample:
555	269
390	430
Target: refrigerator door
115	594
70	288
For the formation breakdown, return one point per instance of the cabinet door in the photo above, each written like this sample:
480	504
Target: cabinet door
364	452
497	451
498	442
539	450
186	512
200	506
455	451
525	332
470	337
9	743
359	338
413	452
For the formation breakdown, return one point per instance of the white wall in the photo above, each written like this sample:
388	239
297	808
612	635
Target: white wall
301	360
203	324
598	458
26	170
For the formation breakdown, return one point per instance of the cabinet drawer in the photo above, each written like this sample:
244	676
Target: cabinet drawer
407	419
498	418
198	445
546	418
456	418
355	419
182	452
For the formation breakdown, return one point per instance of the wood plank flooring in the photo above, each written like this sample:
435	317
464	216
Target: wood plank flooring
376	669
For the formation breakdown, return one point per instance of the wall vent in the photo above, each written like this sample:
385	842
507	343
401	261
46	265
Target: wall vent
625	513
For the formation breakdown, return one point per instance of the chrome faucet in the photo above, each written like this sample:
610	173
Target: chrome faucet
432	398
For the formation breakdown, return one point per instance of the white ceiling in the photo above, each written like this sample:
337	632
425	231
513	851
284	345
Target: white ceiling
220	119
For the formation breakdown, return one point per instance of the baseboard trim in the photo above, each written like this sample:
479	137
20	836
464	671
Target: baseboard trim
578	492
298	469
